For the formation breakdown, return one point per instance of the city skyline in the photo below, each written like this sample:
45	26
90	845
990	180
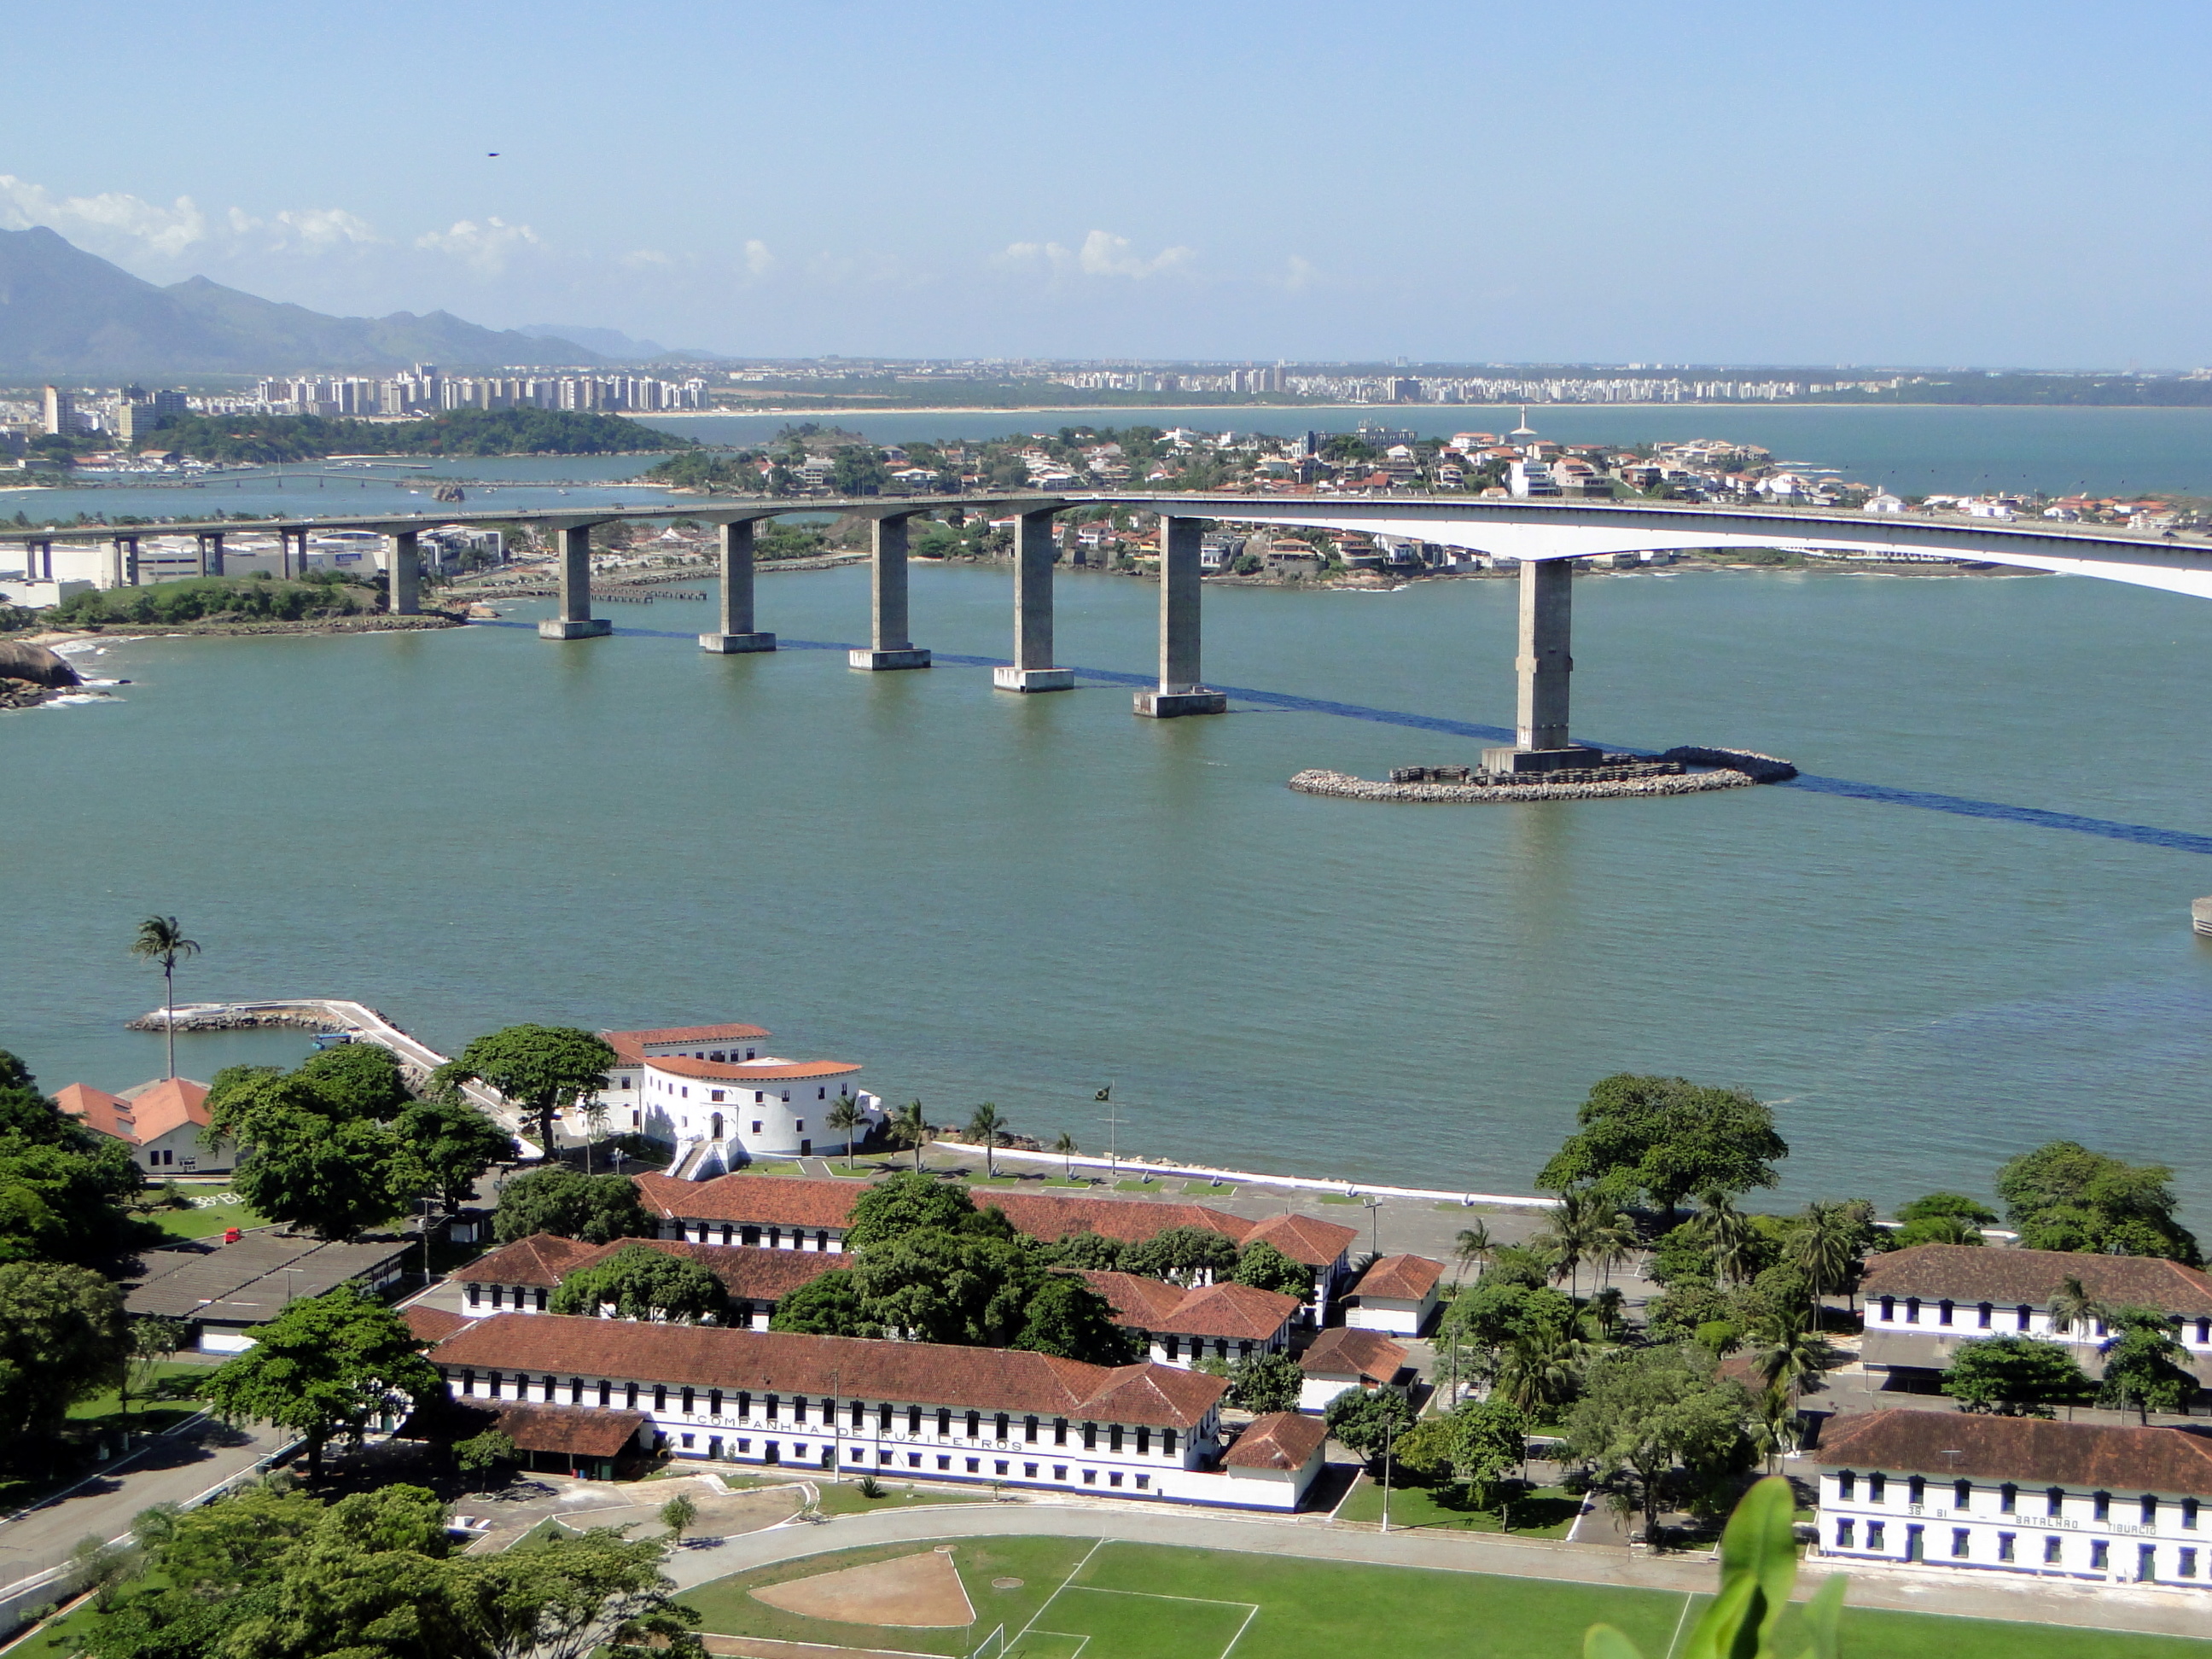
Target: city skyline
1839	187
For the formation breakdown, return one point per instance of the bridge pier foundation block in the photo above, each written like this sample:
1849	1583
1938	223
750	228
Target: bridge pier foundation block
1180	690
876	661
889	647
1033	679
574	628
730	645
575	620
1032	669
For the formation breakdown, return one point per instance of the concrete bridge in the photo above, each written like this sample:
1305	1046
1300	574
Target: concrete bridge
1545	537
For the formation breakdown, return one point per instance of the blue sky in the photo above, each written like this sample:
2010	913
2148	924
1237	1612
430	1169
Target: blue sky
1866	183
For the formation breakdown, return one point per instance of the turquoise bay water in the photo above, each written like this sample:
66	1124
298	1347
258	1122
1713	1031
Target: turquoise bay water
985	896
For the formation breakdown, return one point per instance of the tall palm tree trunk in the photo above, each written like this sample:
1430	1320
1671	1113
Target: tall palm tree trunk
169	1011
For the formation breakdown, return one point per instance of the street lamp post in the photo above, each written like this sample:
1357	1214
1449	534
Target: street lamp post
1375	1215
1389	1439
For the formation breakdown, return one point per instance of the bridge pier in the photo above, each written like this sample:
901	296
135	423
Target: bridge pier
1541	738
1180	691
122	562
575	620
736	633
292	558
1032	669
890	645
210	543
403	579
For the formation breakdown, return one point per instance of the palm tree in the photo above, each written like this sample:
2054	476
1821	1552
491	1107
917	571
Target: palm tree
595	1118
909	1127
1579	1223
844	1117
1540	1368
2073	1309
160	940
1775	1427
1823	1247
1473	1245
986	1128
1612	1242
1067	1148
1791	1349
1728	1233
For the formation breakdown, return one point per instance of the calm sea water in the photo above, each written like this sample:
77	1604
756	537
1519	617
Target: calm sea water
986	897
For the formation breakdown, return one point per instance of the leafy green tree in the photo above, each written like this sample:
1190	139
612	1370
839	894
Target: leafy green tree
677	1515
1663	1136
324	1366
935	1285
564	1597
543	1069
1541	1369
63	1201
485	1455
2014	1375
62	1337
1473	1247
1364	1420
335	1180
151	1344
1493	1312
1265	1268
1729	1235
827	1306
1086	1252
1644	1410
160	940
29	1115
2062	1196
1829	1244
1066	1317
640	1282
905	1203
357	1080
1065	1146
1264	1383
1187	1255
2146	1369
598	1209
1476	1441
1939	1218
452	1142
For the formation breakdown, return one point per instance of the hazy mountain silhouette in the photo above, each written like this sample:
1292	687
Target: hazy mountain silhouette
63	311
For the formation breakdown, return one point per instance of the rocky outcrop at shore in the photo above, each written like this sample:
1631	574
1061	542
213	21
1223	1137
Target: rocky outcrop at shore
36	665
1344	786
1759	769
238	1019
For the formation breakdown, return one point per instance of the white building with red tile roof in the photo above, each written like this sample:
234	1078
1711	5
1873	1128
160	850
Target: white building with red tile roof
521	1277
1397	1294
162	1122
1277	1455
1181	1327
724	1101
1000	1416
1342	1359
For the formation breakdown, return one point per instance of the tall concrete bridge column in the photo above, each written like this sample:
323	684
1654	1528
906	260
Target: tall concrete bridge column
122	562
210	543
1541	738
292	560
38	561
889	646
1033	670
737	633
404	579
575	620
1180	690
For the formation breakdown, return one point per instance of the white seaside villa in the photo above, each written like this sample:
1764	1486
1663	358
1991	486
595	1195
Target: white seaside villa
724	1101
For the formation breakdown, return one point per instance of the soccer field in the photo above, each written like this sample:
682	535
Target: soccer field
1058	1598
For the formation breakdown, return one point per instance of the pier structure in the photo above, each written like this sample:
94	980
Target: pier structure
210	549
575	620
734	632
403	576
1180	690
1032	669
891	641
1542	668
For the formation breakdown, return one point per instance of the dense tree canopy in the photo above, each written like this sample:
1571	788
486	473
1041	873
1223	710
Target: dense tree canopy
1367	1421
355	1079
908	1202
63	1189
2062	1196
1263	1382
455	432
1645	1409
1187	1255
62	1336
936	1286
639	1282
543	1069
1066	1317
2146	1369
326	1366
454	1142
598	1209
827	1306
1264	1267
1662	1137
2013	1375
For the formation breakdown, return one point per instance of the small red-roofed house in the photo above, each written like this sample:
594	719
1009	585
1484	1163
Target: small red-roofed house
1342	1359
162	1122
1222	1321
1274	1460
1397	1294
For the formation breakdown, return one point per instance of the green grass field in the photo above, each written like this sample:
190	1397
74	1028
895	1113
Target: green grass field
1548	1512
1076	1599
207	1219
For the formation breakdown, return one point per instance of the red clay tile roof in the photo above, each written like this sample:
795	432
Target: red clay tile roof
171	1103
766	1201
752	1071
570	1430
777	1362
1969	1272
1042	1215
708	1034
1400	1278
626	1052
1280	1440
106	1114
544	1261
1216	1311
1304	1239
1342	1351
2027	1449
433	1324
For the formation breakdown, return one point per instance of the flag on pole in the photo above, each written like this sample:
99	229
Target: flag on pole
1105	1093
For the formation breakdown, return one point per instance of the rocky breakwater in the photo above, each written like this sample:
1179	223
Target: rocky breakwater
32	674
1624	776
241	1019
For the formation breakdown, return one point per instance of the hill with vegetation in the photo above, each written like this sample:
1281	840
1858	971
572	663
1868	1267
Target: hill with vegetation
455	432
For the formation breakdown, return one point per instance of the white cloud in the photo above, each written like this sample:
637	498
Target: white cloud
109	217
1103	254
758	260
647	258
484	248
316	230
1298	274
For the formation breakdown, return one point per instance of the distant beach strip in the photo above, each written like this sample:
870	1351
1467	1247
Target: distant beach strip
2143	834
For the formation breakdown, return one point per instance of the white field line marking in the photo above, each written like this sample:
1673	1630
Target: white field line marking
1241	1629
1680	1621
1062	1585
1081	1642
1155	1596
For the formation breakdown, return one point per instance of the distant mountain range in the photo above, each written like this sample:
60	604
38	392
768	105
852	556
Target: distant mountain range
63	311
